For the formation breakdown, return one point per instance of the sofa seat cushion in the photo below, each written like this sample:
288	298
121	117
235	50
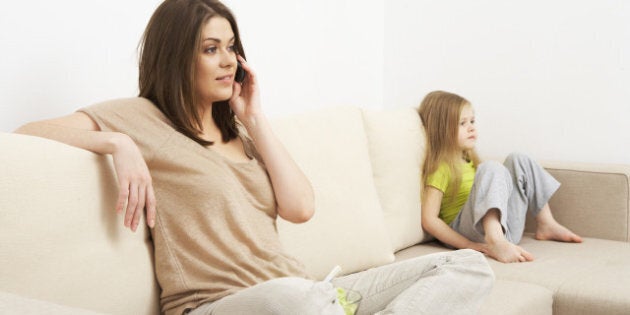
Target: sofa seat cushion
588	278
348	229
603	291
517	298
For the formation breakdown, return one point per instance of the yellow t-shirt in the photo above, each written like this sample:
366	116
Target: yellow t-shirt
451	206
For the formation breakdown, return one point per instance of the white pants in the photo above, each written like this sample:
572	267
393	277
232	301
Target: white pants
443	283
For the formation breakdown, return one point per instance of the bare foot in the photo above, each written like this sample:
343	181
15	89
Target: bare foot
553	231
507	252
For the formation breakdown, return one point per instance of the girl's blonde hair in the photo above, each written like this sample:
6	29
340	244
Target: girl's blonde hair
440	113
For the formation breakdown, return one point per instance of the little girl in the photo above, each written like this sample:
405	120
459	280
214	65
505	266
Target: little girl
480	206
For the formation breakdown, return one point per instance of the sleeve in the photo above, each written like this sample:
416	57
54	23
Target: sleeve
136	117
440	178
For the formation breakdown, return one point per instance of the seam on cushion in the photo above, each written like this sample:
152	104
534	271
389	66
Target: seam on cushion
627	180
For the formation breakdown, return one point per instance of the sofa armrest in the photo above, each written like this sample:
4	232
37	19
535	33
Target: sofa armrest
593	200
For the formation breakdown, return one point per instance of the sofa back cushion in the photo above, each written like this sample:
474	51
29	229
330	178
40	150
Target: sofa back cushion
348	228
396	146
593	199
61	238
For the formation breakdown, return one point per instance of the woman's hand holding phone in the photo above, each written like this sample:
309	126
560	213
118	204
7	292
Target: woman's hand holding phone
245	100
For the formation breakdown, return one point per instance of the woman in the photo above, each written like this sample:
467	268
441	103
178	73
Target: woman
196	146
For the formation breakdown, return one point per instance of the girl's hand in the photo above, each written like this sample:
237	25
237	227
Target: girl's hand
245	100
135	185
480	247
507	252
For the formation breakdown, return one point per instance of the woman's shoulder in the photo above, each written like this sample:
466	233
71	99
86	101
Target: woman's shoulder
137	117
132	109
125	104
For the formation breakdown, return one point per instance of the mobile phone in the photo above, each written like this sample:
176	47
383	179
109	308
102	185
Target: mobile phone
240	73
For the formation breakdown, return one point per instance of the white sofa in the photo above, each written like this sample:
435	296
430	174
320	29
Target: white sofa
65	251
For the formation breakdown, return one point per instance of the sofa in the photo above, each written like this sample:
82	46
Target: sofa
65	251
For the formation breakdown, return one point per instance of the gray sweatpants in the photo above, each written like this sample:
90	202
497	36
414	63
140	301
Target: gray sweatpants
451	283
514	188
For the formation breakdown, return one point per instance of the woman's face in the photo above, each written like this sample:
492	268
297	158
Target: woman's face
216	62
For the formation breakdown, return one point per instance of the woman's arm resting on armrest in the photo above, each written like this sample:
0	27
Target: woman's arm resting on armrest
134	180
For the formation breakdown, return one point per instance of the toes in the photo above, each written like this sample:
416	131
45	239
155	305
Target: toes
576	238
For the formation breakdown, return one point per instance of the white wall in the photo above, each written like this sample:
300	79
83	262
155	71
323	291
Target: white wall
550	78
313	54
547	77
58	56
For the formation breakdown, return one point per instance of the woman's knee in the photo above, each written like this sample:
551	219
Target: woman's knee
290	295
476	262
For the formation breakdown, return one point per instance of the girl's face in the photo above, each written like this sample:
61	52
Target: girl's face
216	61
467	136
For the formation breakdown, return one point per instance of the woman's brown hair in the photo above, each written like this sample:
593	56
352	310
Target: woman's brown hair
440	113
168	55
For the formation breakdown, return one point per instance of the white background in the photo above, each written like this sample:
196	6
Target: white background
550	78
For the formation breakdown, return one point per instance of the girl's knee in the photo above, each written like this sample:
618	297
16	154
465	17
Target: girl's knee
517	158
491	167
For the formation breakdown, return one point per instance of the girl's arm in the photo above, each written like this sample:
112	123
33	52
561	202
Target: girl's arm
292	189
432	198
135	187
